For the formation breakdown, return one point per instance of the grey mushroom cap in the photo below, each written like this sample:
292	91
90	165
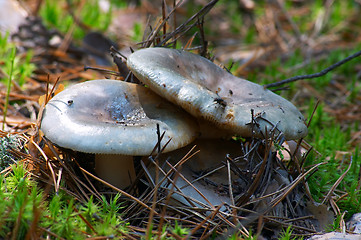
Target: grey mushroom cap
209	92
114	117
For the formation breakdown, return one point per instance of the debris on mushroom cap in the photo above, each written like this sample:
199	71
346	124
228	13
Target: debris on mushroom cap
114	117
209	92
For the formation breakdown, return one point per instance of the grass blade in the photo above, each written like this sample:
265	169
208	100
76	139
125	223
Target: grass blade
12	60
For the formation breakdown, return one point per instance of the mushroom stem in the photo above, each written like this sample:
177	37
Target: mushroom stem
210	130
116	169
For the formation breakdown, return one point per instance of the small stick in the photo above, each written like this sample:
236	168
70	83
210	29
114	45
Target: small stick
105	71
163	18
334	186
174	22
115	51
314	75
119	190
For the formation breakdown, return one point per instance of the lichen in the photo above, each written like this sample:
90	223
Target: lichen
7	143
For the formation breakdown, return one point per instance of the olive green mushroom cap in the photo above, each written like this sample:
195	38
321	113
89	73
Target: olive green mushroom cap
209	92
114	117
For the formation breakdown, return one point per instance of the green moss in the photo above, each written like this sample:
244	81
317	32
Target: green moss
56	15
22	204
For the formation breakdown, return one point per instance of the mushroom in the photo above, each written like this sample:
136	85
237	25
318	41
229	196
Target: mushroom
213	95
115	120
208	161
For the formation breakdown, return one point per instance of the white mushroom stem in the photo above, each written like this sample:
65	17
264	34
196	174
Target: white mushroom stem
115	169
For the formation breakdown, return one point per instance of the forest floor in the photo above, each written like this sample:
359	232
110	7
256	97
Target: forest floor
51	192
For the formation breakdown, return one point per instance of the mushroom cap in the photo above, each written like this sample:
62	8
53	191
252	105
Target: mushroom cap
114	117
209	92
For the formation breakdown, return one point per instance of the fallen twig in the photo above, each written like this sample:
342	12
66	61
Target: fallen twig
314	75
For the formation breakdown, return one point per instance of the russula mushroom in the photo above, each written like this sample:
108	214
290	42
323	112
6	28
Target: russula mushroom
212	153
115	120
212	94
